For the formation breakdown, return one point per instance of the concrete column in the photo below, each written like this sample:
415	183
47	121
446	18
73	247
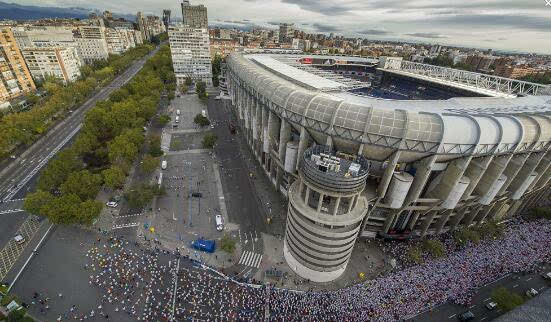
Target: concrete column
450	177
259	127
387	176
350	204
512	170
366	218
320	202
284	137
491	175
279	177
442	220
337	203
389	220
301	185
475	171
529	166
273	128
302	144
426	223
329	142
422	174
457	218
484	214
545	178
541	169
413	220
307	195
471	216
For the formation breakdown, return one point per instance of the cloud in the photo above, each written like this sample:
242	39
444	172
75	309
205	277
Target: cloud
374	32
494	20
325	7
430	35
324	28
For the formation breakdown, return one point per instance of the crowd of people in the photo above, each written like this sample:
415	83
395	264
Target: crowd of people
407	292
140	283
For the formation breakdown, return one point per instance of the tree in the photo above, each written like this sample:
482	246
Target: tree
155	146
184	88
149	164
89	210
114	177
58	169
209	140
506	300
188	81
200	120
227	244
139	196
434	247
465	235
163	120
414	254
201	90
63	210
216	68
541	213
35	201
121	149
83	184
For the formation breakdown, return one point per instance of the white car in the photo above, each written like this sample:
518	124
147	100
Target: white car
219	223
531	293
112	204
19	239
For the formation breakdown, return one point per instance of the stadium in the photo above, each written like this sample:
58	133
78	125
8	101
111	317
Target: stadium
387	148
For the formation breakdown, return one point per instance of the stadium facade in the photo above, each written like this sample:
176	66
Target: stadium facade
391	155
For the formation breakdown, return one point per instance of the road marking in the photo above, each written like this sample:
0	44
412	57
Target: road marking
528	279
484	318
541	288
451	316
487	299
515	285
250	259
10	211
125	226
470	307
12	251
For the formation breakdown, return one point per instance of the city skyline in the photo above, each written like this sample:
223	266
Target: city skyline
500	24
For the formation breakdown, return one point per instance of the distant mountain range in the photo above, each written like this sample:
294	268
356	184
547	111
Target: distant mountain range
15	11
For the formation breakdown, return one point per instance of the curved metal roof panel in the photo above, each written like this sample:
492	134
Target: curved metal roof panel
458	125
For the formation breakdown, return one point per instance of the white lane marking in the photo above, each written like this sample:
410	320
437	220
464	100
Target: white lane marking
515	285
451	316
528	279
470	307
487	299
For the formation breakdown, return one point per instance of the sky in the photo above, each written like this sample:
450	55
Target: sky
519	25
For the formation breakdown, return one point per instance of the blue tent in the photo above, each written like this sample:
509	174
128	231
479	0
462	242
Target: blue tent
204	245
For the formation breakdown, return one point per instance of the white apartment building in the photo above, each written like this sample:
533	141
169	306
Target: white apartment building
92	43
60	62
43	36
117	42
190	53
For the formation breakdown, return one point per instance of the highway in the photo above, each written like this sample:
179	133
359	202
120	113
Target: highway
22	169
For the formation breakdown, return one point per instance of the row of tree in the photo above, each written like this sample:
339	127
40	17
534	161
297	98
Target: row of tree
110	140
26	127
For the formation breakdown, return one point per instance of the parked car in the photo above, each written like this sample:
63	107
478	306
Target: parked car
491	306
531	293
219	223
197	194
466	316
112	204
19	239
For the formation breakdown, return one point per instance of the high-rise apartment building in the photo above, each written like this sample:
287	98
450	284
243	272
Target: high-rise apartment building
286	32
190	53
44	36
194	16
166	18
15	78
92	43
60	62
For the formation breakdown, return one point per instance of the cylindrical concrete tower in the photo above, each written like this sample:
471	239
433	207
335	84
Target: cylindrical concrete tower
325	213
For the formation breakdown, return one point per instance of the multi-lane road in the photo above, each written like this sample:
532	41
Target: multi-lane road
22	169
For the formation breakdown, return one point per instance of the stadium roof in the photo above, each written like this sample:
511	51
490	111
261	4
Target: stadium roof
461	125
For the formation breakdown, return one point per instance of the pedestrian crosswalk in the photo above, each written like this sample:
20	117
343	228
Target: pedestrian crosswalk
250	259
